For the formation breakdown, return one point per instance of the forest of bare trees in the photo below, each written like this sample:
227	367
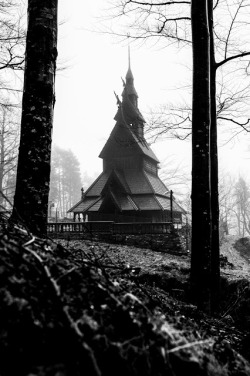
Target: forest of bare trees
9	138
235	204
65	181
11	64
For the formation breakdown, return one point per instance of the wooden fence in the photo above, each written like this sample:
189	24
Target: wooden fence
108	227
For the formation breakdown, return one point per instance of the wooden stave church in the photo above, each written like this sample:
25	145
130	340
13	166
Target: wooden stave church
129	188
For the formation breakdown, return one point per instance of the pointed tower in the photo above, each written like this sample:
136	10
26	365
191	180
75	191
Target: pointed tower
129	188
129	85
129	106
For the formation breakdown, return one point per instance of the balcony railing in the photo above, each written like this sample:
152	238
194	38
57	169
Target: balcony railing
108	227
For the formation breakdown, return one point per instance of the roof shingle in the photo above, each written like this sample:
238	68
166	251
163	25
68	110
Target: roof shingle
84	205
137	182
146	202
96	188
165	203
156	183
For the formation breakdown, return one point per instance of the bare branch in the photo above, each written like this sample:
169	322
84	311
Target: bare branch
216	4
232	58
157	4
237	122
230	28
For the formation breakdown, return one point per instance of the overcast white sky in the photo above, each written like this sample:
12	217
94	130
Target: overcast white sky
85	102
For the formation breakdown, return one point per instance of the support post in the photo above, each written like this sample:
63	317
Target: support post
171	206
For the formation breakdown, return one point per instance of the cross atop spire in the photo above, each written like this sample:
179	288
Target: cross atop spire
129	63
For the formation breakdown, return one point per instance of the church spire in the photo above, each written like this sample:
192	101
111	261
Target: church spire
129	63
128	111
129	84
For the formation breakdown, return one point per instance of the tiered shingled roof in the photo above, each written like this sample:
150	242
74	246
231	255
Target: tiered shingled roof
138	190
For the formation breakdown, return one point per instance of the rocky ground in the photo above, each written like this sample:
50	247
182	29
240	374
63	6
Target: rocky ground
92	308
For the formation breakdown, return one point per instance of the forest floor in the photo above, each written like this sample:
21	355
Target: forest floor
84	307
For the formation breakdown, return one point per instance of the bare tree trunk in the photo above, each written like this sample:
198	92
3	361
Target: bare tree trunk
33	171
215	241
2	146
201	234
238	222
60	193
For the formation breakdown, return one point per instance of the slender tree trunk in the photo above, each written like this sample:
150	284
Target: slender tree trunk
238	222
33	171
60	193
63	201
215	242
201	234
2	157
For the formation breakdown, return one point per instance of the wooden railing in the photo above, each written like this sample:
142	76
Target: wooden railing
79	227
141	228
108	227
